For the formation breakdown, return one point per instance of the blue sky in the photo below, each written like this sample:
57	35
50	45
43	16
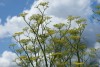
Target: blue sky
59	10
15	7
11	8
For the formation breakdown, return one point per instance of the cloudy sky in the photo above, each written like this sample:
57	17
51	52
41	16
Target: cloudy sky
59	10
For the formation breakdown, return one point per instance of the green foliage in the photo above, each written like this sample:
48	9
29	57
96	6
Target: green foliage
23	15
48	47
17	34
98	6
59	26
97	12
43	4
24	41
70	18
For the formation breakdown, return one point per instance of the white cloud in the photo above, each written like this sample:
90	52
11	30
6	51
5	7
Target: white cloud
98	1
97	45
14	24
58	9
92	29
6	59
64	8
69	7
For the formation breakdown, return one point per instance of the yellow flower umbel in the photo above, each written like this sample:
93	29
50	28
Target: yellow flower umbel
78	64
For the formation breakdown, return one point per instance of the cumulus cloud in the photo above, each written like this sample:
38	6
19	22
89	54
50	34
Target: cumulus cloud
13	24
58	9
90	33
64	8
98	1
6	59
70	7
97	45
